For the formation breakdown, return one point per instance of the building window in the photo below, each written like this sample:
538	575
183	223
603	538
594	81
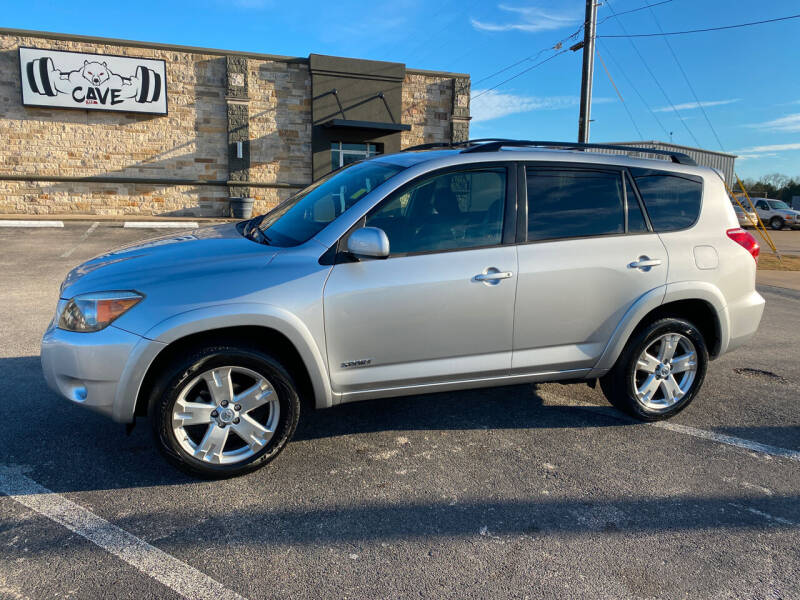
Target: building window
343	153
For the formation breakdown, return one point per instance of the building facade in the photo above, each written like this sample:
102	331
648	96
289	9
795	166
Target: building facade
114	127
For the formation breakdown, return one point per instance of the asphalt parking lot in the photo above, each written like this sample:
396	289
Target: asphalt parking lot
516	492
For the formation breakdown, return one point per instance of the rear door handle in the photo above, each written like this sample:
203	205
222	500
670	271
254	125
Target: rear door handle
492	276
644	263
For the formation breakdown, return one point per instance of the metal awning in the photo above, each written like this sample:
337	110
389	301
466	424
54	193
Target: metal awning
371	125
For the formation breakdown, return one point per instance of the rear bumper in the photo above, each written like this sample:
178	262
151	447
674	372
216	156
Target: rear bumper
101	370
744	317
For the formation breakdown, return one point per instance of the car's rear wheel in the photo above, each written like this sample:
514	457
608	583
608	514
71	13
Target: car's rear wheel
660	370
224	411
776	223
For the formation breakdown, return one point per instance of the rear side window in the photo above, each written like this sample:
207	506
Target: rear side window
672	201
573	203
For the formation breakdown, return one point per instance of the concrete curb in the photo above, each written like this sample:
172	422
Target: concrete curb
160	225
113	218
30	223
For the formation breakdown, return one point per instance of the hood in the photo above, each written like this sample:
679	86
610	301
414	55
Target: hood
184	255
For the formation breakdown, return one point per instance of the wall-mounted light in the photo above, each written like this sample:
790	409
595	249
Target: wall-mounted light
238	149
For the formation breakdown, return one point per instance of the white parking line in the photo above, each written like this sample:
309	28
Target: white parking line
173	573
160	225
82	239
31	223
766	516
713	436
729	440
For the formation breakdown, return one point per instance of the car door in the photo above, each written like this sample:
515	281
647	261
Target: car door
587	255
440	307
763	209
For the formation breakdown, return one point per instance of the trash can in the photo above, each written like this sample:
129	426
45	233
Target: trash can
241	208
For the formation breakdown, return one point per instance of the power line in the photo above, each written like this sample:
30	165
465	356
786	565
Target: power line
621	99
686	77
639	35
556	46
549	58
655	79
633	10
634	87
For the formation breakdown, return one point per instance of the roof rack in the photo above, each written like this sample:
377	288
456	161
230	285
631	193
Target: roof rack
493	145
433	145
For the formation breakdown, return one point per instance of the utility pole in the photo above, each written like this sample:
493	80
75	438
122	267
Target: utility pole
589	31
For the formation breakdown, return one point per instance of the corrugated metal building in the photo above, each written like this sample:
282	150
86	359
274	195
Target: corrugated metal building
706	158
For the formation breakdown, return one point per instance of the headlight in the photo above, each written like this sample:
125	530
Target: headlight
96	311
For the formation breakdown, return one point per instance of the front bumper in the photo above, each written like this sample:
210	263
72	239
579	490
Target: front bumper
101	370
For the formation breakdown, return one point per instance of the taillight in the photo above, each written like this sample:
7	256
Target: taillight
745	240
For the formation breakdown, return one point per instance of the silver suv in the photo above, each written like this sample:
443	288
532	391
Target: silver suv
482	264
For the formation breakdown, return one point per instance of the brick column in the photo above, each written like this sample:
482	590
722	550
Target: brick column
238	125
461	118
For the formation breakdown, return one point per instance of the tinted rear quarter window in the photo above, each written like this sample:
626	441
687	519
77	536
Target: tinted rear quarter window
566	203
672	201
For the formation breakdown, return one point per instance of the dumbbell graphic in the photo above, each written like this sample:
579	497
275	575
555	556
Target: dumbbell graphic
45	79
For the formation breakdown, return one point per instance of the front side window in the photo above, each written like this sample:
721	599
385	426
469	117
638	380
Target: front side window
672	201
343	154
779	205
451	211
565	203
306	213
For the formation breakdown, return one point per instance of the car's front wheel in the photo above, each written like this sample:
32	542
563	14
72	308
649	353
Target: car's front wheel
224	411
776	223
660	370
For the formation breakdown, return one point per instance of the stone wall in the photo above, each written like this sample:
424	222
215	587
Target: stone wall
436	107
280	129
188	143
189	146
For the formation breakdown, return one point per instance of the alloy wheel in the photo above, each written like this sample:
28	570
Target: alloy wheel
220	402
665	371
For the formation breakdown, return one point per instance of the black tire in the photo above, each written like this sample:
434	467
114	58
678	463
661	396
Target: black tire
182	372
776	223
618	384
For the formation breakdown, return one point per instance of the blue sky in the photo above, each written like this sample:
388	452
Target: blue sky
747	79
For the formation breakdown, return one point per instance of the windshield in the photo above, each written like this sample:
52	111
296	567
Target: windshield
779	204
306	213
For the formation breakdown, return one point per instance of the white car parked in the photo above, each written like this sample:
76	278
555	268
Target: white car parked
777	214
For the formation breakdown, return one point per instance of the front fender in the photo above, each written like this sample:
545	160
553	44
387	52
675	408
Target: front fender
232	315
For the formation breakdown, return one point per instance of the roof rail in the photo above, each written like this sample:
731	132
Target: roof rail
432	145
498	144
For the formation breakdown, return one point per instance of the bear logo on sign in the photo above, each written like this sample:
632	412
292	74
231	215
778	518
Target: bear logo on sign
94	83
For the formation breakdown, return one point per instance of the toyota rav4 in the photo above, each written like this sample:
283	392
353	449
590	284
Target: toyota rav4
479	264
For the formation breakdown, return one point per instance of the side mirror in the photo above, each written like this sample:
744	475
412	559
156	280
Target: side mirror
368	242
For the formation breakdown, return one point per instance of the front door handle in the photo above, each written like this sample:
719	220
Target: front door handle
492	276
645	263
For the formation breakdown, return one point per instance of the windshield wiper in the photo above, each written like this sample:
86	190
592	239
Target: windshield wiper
254	232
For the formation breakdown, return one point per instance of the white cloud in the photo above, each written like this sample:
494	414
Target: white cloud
756	155
529	19
790	123
757	151
694	105
494	104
